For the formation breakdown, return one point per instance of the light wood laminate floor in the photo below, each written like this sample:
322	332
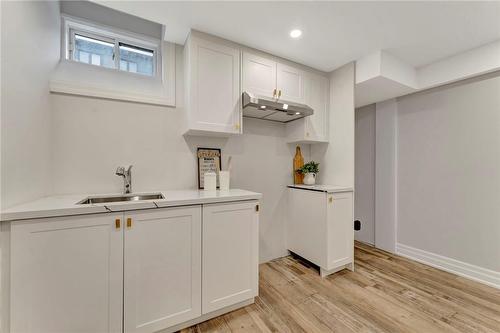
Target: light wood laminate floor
385	293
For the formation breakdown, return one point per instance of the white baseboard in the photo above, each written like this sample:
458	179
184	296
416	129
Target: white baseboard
476	273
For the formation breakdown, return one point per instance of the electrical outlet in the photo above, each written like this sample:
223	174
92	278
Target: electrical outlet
357	225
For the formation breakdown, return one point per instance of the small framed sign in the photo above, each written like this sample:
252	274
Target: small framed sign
209	159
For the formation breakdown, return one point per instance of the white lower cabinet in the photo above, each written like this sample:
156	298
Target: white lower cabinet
340	230
138	271
66	275
162	270
320	228
230	254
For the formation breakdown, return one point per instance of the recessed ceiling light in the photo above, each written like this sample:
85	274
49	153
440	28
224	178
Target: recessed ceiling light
297	113
295	33
285	106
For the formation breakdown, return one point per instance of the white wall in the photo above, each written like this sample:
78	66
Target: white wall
386	169
92	137
110	17
73	144
25	107
481	60
449	172
364	203
381	76
25	115
337	158
53	143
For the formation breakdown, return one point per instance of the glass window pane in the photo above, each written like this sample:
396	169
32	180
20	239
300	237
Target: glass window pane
84	57
139	60
96	59
101	51
132	67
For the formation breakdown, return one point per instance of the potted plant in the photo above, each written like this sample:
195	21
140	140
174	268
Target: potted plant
309	170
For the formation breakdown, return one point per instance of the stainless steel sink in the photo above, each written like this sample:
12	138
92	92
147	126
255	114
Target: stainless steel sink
120	198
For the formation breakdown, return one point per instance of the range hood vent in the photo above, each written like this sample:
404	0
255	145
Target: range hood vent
270	109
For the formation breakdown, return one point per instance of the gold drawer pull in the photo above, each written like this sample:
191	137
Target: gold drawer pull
117	223
129	222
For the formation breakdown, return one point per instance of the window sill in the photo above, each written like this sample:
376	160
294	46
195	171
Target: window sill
74	88
93	81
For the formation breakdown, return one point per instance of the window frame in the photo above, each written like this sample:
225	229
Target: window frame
75	26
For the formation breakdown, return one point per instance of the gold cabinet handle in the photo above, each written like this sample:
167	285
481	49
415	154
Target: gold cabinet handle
274	92
129	222
257	208
330	199
279	93
117	223
237	126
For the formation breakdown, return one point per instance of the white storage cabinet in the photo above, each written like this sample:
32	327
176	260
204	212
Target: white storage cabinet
230	254
143	268
314	128
320	228
264	76
162	273
67	274
212	86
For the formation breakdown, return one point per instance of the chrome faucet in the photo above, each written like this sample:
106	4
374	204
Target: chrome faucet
127	178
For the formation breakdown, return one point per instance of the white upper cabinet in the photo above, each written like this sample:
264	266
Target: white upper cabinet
162	273
66	274
312	129
216	74
317	96
266	77
259	75
212	87
290	84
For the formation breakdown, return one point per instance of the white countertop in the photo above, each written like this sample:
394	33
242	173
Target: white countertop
323	188
64	205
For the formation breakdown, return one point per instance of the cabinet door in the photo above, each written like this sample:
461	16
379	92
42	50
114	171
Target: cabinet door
340	229
162	268
259	75
230	254
66	275
317	97
314	128
215	87
290	82
306	239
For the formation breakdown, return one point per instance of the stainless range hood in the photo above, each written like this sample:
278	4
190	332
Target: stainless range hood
270	109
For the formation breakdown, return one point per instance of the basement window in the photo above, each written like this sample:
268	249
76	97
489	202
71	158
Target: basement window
104	61
100	46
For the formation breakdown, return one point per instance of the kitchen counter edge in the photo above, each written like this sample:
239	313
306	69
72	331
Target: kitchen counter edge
66	205
322	188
